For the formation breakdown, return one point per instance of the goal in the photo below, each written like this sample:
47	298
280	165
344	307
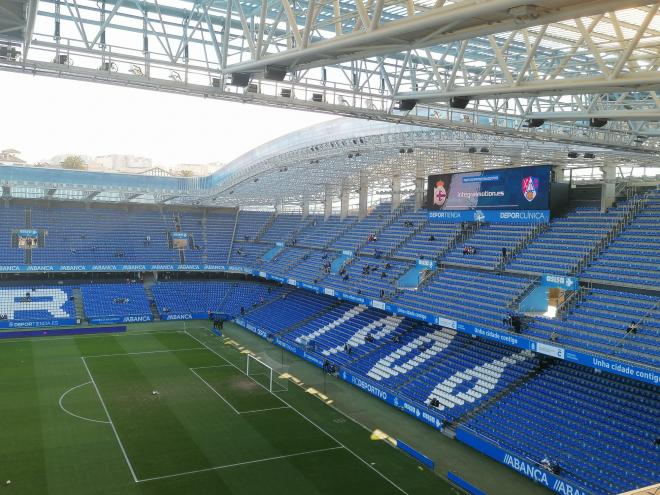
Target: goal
270	374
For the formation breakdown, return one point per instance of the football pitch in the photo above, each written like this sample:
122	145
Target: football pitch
173	412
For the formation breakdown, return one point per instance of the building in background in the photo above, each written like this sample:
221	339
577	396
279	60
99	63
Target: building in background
11	156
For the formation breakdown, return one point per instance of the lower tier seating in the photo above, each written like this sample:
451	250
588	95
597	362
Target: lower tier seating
35	303
600	430
112	300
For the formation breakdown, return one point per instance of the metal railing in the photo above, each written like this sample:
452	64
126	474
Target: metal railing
630	210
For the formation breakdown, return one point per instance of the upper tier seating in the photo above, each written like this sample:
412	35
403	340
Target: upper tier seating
248	254
634	255
111	300
319	233
12	218
283	228
396	233
568	240
420	245
76	236
219	228
250	224
287	258
382	276
488	242
358	233
34	303
599	429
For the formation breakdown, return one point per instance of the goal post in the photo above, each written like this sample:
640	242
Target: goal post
270	374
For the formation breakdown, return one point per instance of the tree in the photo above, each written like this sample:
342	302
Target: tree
74	162
186	173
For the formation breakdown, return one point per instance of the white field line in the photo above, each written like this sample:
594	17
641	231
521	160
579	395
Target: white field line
73	414
216	392
256	461
53	338
263	410
114	429
309	420
225	400
143	352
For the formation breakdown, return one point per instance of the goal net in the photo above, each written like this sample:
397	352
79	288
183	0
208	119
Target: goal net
269	373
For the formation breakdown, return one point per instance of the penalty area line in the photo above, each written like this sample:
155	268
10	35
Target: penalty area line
237	464
143	352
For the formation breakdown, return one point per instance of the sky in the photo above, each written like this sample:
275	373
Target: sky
43	117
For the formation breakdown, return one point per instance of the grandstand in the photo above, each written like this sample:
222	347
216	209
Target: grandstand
454	292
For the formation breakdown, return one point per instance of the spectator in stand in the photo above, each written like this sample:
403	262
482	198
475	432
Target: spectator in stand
554	336
504	252
431	238
632	328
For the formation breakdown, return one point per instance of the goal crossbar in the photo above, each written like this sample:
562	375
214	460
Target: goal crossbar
267	372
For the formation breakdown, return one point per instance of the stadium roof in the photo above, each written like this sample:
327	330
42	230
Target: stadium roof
559	64
307	164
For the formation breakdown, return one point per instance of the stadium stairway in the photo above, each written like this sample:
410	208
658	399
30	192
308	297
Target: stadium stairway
78	302
152	301
265	227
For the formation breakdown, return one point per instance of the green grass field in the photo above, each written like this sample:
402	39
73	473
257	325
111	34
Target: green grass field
79	417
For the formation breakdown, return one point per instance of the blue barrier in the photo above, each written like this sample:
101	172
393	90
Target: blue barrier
526	467
413	453
470	488
59	332
392	399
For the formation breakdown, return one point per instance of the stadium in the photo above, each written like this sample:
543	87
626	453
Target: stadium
448	285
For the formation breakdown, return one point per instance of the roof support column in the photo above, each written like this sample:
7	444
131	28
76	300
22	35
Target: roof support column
396	190
608	190
344	195
364	194
304	206
420	180
327	207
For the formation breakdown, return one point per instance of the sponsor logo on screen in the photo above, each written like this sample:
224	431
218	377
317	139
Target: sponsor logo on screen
439	193
530	187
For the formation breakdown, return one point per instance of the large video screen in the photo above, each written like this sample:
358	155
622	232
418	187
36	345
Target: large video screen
523	188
